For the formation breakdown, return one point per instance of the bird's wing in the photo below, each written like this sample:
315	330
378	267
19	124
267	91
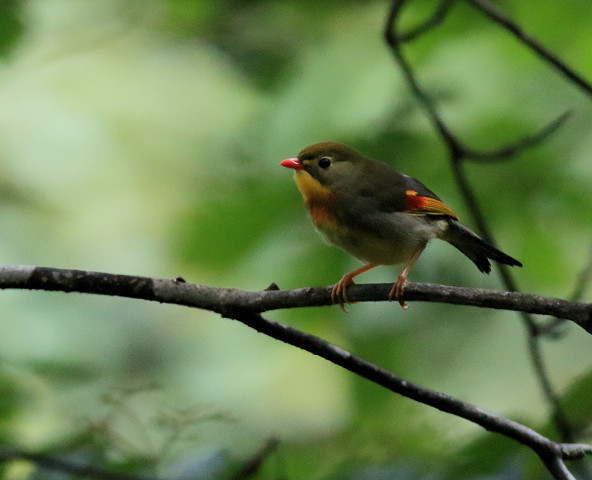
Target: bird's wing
391	191
420	200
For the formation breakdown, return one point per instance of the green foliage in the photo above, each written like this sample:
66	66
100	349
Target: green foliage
224	215
145	138
10	25
12	394
576	401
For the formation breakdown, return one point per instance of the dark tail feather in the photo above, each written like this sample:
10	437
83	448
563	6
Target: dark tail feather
470	244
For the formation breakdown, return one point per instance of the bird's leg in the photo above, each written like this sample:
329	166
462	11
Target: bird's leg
399	286
339	292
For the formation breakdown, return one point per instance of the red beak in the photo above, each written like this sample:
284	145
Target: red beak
292	163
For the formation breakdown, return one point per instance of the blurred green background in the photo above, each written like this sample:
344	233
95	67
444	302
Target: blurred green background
144	137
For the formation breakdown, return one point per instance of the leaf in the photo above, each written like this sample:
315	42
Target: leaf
11	26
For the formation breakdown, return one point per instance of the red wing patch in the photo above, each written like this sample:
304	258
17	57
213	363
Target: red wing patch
426	205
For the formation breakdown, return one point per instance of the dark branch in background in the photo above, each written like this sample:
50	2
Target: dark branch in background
583	283
245	307
459	153
584	280
252	466
433	21
529	141
50	463
498	17
551	453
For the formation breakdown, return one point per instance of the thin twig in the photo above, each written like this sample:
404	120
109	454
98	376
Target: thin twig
393	40
430	23
254	464
508	151
498	17
583	282
51	463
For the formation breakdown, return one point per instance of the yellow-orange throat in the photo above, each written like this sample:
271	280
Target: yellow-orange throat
318	199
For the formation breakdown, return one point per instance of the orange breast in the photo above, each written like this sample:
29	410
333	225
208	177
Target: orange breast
322	216
319	200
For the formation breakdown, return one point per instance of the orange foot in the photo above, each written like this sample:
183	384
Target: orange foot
339	291
398	289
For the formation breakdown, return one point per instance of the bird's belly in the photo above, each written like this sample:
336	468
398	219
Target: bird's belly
375	250
391	243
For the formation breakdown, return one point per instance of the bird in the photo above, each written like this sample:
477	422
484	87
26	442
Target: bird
379	215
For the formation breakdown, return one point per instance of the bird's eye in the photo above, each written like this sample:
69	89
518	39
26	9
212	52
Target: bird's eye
324	162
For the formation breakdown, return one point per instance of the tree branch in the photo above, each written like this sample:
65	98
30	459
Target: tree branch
227	300
551	453
246	306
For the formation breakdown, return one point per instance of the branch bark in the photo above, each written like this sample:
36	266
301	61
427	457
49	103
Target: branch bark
228	300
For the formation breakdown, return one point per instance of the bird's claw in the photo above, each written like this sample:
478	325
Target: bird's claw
339	291
397	291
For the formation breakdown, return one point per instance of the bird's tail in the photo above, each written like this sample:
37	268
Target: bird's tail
470	244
